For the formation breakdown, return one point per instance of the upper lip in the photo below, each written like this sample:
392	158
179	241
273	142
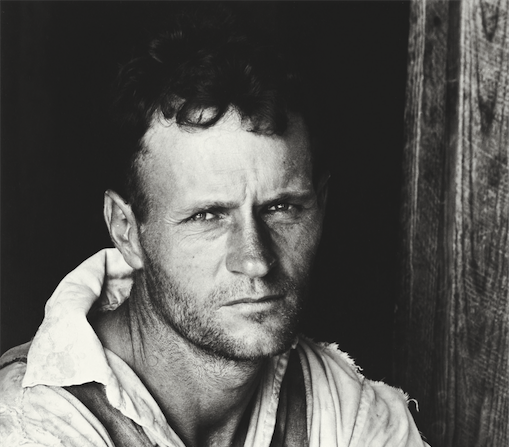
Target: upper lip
249	300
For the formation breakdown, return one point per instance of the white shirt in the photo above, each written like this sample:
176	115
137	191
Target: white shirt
343	407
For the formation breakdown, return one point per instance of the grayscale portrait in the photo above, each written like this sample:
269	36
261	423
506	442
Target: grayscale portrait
215	227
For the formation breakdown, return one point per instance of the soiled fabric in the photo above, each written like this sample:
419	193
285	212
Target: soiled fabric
343	408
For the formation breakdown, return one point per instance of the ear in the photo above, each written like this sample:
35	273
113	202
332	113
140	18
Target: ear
123	228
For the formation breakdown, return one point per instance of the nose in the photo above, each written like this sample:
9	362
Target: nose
249	250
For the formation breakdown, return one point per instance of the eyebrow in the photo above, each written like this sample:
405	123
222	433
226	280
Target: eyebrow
207	205
292	196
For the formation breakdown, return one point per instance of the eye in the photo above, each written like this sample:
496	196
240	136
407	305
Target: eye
280	207
203	216
283	212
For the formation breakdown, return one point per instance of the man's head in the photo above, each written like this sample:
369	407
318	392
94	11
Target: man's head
224	212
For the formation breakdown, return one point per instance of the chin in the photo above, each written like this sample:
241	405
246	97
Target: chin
250	344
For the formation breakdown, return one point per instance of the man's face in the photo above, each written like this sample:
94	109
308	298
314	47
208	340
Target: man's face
232	229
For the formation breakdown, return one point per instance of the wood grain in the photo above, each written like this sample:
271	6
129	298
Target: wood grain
452	321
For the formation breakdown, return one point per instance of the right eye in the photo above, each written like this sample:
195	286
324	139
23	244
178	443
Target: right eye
203	216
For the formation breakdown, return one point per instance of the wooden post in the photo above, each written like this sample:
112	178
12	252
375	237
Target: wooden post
452	320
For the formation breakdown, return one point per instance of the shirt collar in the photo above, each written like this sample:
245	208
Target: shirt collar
65	350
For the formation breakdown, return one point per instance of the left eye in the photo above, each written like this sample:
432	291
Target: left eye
280	207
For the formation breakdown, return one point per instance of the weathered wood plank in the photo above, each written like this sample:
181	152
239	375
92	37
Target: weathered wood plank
417	316
453	316
481	247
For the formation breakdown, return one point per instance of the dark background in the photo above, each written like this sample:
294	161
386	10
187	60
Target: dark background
58	61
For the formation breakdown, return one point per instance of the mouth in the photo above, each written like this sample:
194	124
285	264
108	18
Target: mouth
261	300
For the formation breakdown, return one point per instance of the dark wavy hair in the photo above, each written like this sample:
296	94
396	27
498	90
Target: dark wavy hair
209	63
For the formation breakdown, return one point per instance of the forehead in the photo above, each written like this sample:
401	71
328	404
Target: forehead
225	160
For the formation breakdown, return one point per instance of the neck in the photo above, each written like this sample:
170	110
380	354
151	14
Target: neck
203	396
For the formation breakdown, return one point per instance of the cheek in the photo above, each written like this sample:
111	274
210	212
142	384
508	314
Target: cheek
297	246
197	263
187	259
